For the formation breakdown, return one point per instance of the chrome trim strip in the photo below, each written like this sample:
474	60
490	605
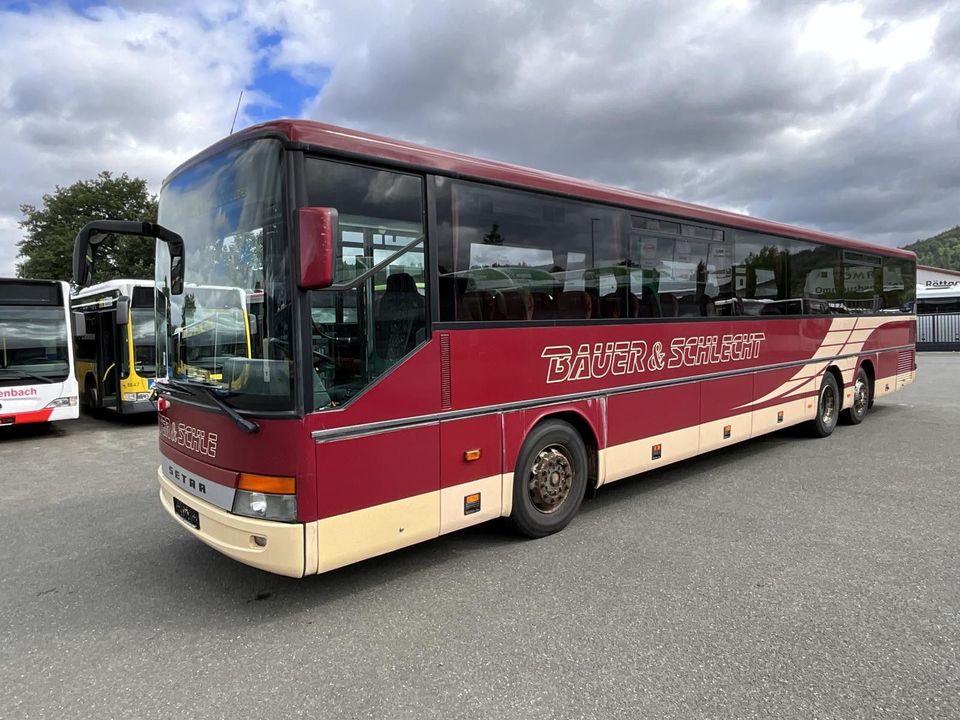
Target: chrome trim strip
342	433
197	485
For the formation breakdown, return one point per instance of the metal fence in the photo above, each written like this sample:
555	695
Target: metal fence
938	332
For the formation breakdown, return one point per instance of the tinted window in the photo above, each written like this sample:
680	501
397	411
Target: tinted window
680	276
862	282
816	277
760	275
511	255
899	289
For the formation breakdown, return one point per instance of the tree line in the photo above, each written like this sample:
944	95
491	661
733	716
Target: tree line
942	251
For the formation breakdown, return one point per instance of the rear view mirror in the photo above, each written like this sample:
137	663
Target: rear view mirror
79	323
123	309
318	234
94	233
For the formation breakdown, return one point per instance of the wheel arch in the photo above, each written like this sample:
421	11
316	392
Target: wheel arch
838	376
587	433
585	428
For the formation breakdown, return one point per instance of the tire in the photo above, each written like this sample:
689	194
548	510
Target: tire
550	480
861	400
828	407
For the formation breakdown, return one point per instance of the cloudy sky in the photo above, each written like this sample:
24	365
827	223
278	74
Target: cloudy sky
844	116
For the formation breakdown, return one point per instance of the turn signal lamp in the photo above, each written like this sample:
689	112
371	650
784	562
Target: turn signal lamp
270	484
267	497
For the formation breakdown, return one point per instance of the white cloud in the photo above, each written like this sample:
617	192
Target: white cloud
115	90
836	115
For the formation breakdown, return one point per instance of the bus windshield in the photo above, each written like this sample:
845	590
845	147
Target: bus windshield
144	342
214	329
229	210
33	340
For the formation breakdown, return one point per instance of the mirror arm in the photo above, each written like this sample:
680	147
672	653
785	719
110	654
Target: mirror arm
362	277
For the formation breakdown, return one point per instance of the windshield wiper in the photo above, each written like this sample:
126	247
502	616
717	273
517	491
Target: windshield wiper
248	426
25	374
163	387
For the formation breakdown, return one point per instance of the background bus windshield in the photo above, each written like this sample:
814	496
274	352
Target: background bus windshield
231	325
33	341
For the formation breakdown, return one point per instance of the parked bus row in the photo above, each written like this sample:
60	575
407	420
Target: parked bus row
98	348
443	340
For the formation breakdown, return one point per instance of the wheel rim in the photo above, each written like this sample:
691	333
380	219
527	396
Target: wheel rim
828	405
551	478
860	398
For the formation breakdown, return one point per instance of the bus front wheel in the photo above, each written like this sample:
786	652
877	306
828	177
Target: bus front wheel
550	480
828	407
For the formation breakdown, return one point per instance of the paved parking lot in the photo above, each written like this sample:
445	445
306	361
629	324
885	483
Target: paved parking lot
783	578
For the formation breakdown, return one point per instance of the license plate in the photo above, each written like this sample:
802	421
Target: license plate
186	513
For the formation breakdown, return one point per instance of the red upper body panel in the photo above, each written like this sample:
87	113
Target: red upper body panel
343	140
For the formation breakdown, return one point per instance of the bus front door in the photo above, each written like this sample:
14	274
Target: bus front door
108	359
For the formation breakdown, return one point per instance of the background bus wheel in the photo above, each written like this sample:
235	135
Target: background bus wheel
93	397
550	480
861	400
828	407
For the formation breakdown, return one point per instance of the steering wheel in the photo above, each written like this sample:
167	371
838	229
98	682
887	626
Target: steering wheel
320	358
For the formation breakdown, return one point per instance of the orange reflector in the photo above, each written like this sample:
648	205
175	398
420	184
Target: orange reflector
471	455
472	498
267	484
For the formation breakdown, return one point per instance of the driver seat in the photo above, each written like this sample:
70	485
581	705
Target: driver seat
399	317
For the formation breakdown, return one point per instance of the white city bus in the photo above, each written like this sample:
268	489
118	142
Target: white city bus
37	382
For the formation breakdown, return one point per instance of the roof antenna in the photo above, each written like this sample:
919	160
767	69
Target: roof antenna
235	112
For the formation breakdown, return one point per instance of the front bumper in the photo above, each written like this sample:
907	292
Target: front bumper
233	535
129	407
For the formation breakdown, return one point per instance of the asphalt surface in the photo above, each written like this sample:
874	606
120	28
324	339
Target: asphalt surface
783	578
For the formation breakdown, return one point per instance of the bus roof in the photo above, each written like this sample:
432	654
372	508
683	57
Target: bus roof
354	143
121	286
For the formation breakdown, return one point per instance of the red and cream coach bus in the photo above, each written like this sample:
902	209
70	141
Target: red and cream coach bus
444	340
36	353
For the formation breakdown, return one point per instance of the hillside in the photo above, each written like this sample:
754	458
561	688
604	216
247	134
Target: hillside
941	250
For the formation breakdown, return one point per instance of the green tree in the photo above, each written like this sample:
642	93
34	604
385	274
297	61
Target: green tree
942	251
46	251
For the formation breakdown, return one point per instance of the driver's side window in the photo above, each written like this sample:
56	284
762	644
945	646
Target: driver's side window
359	333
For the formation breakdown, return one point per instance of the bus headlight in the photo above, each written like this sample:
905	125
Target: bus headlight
266	496
63	402
265	506
136	397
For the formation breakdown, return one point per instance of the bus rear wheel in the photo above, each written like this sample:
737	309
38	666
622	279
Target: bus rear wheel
828	407
550	480
861	400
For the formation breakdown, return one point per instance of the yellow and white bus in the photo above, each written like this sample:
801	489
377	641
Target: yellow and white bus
218	324
116	350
